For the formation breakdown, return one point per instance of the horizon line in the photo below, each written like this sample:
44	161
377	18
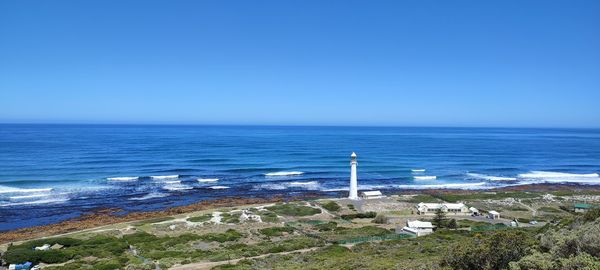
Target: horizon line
287	125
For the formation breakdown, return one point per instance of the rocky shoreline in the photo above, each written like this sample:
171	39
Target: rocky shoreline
105	217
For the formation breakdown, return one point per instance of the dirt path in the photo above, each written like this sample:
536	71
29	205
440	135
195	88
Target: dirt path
209	265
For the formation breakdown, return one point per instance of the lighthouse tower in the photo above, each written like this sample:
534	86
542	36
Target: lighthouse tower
353	181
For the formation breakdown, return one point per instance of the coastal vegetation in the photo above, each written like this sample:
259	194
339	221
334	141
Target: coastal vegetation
293	209
369	240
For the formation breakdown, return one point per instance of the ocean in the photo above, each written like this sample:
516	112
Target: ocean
50	173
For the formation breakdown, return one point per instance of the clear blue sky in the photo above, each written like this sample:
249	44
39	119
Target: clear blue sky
415	63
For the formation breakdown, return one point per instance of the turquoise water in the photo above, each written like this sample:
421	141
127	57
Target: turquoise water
53	172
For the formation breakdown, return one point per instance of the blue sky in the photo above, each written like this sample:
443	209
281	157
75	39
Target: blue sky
407	63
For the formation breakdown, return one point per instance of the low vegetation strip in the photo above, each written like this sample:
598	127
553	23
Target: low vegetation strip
291	209
489	228
374	238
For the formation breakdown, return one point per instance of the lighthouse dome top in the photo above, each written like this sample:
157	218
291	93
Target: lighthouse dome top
353	154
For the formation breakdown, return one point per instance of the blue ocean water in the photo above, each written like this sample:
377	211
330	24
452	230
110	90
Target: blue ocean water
50	173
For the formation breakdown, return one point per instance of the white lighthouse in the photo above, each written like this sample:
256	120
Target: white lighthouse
353	181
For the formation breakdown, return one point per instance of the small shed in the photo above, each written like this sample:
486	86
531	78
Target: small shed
493	215
418	227
474	211
582	207
374	194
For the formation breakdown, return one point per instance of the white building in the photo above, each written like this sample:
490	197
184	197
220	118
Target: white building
375	194
474	211
418	228
450	208
493	214
353	195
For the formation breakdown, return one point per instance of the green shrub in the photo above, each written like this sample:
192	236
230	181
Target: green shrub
592	214
360	215
229	235
329	226
202	218
331	206
488	251
267	216
276	231
294	210
230	218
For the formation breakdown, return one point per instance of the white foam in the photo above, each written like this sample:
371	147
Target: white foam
284	173
560	177
162	177
490	177
4	189
29	196
123	178
417	170
310	185
207	180
150	196
44	201
425	177
219	187
445	186
173	182
177	187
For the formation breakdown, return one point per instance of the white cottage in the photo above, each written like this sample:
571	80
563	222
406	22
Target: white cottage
375	194
418	228
493	214
450	208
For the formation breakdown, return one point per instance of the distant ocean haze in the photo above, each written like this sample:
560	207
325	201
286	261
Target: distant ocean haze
50	173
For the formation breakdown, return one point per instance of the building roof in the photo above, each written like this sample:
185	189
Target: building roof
372	193
583	205
494	212
473	209
454	205
419	224
440	205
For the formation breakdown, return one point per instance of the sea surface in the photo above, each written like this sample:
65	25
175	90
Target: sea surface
50	173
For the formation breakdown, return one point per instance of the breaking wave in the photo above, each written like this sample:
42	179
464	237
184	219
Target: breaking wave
560	177
4	189
123	178
490	177
425	177
207	180
150	196
417	170
445	186
219	187
44	201
176	187
284	173
162	177
311	185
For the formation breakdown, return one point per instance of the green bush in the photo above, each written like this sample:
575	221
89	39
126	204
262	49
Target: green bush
267	216
360	215
592	214
488	251
229	235
202	218
276	231
329	226
291	209
230	218
331	206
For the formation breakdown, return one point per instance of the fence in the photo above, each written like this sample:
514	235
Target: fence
374	238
